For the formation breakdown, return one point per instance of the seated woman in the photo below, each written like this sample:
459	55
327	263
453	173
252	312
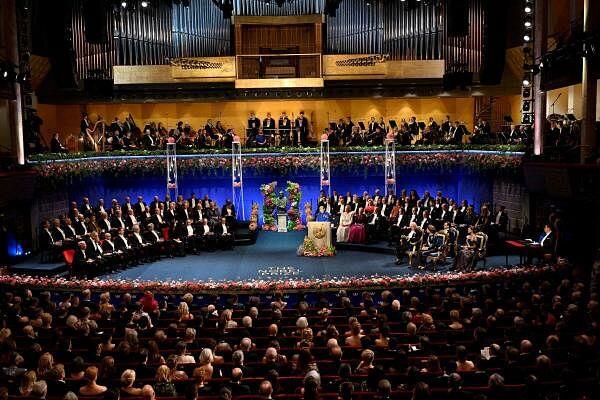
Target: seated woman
261	139
357	230
464	261
322	215
343	229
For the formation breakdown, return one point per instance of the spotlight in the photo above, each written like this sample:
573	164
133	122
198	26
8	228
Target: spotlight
145	4
528	23
526	37
124	4
526	82
528	9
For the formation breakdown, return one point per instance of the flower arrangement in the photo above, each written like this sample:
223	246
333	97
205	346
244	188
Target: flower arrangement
374	281
54	174
309	249
294	196
269	204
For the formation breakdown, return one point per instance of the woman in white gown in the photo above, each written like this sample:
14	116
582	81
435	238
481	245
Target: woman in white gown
343	229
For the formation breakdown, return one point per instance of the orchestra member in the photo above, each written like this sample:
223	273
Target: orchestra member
285	129
253	126
269	126
302	130
56	146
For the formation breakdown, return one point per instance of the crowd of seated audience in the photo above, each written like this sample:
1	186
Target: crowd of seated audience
426	228
107	238
528	338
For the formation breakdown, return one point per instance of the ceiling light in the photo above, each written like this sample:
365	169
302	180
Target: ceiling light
145	4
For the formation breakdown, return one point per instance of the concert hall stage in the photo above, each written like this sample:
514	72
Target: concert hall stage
272	257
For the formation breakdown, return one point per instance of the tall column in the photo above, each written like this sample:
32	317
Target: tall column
588	90
539	49
16	105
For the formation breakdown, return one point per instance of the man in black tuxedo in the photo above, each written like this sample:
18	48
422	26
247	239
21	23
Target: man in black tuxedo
373	125
117	220
84	124
207	235
499	223
158	245
224	234
56	146
116	126
157	218
269	126
285	129
83	265
188	237
548	241
80	226
301	129
141	247
122	245
253	127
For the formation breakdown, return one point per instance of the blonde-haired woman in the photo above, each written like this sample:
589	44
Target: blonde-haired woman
184	312
127	381
163	386
226	320
45	364
206	359
105	307
26	385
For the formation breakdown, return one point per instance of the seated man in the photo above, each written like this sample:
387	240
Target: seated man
47	242
141	247
187	235
83	265
434	250
116	257
224	235
207	236
122	244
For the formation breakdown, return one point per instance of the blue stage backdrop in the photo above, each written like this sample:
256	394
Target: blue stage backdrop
458	185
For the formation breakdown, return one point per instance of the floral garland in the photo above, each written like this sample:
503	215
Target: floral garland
309	249
374	281
294	194
269	204
283	150
54	174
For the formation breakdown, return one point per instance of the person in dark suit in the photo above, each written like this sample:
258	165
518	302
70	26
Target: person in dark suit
408	242
285	129
56	146
82	263
122	245
499	223
187	235
237	388
207	235
80	225
224	234
302	130
253	127
548	241
269	126
140	246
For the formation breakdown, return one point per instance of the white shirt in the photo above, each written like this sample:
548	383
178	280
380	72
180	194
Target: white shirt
498	217
133	219
107	224
206	228
156	236
544	238
190	230
72	230
50	235
224	229
62	233
124	240
138	237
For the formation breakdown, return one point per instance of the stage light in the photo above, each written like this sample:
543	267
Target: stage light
526	38
526	82
528	9
124	4
145	4
528	23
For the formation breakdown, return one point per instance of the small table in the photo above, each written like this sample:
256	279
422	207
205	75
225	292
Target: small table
523	248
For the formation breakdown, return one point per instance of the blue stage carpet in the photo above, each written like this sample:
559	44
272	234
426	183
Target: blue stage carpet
272	257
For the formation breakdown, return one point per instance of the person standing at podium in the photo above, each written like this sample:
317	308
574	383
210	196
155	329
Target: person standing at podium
322	215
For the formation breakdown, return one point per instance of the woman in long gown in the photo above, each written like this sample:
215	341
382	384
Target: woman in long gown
464	261
357	230
343	229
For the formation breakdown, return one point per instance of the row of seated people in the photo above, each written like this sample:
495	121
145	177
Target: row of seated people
104	238
523	338
369	218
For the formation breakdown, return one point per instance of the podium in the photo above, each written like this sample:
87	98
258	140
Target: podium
281	222
320	233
